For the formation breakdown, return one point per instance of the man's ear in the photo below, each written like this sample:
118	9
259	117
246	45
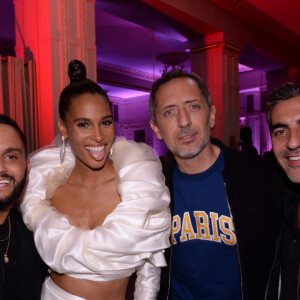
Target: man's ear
62	128
156	130
212	117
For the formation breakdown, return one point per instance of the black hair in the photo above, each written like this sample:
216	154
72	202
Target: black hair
285	92
246	134
177	73
10	122
78	86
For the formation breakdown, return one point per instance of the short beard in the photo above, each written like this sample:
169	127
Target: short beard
13	198
191	154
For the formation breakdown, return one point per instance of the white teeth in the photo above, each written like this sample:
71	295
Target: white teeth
294	158
100	148
5	181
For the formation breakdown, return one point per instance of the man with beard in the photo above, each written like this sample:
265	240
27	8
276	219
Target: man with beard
283	116
21	270
225	204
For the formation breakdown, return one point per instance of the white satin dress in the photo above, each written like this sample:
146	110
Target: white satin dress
132	238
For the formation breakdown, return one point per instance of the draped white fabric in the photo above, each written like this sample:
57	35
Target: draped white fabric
51	291
132	237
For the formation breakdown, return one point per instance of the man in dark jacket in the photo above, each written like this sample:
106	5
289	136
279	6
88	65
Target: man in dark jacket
225	204
21	269
283	116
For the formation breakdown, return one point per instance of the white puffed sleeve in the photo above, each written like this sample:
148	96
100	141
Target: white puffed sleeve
147	282
132	237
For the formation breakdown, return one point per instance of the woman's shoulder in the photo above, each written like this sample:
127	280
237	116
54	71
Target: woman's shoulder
125	152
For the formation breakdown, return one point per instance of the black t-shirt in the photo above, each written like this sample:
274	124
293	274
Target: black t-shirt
22	277
10	270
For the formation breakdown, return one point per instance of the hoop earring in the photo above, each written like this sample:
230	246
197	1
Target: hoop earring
62	150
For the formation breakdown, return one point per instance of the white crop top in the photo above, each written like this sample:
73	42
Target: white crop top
131	238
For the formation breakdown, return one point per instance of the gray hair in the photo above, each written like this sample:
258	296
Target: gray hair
287	91
178	73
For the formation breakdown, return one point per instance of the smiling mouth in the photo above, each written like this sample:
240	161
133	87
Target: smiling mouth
4	182
293	158
96	152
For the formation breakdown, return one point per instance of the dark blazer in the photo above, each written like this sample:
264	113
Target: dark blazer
287	262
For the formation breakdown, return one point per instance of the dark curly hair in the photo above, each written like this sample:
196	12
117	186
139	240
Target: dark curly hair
10	122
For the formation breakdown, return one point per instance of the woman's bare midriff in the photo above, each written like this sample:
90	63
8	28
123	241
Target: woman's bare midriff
92	290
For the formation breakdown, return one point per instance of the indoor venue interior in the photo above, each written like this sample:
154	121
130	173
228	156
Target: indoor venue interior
242	48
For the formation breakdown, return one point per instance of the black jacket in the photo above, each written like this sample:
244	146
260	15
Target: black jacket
253	189
287	262
31	270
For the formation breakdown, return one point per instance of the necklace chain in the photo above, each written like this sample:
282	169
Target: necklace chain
6	259
6	237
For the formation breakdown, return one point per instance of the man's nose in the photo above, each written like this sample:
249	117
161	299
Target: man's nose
294	139
3	168
183	118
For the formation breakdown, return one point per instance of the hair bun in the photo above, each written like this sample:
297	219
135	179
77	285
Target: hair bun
76	71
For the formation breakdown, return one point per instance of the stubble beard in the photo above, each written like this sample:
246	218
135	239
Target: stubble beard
293	175
188	153
292	172
13	198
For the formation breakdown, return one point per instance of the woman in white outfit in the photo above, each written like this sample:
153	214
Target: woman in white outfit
97	205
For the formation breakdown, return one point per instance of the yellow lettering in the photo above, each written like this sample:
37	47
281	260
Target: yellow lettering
214	220
202	227
175	228
187	228
228	237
